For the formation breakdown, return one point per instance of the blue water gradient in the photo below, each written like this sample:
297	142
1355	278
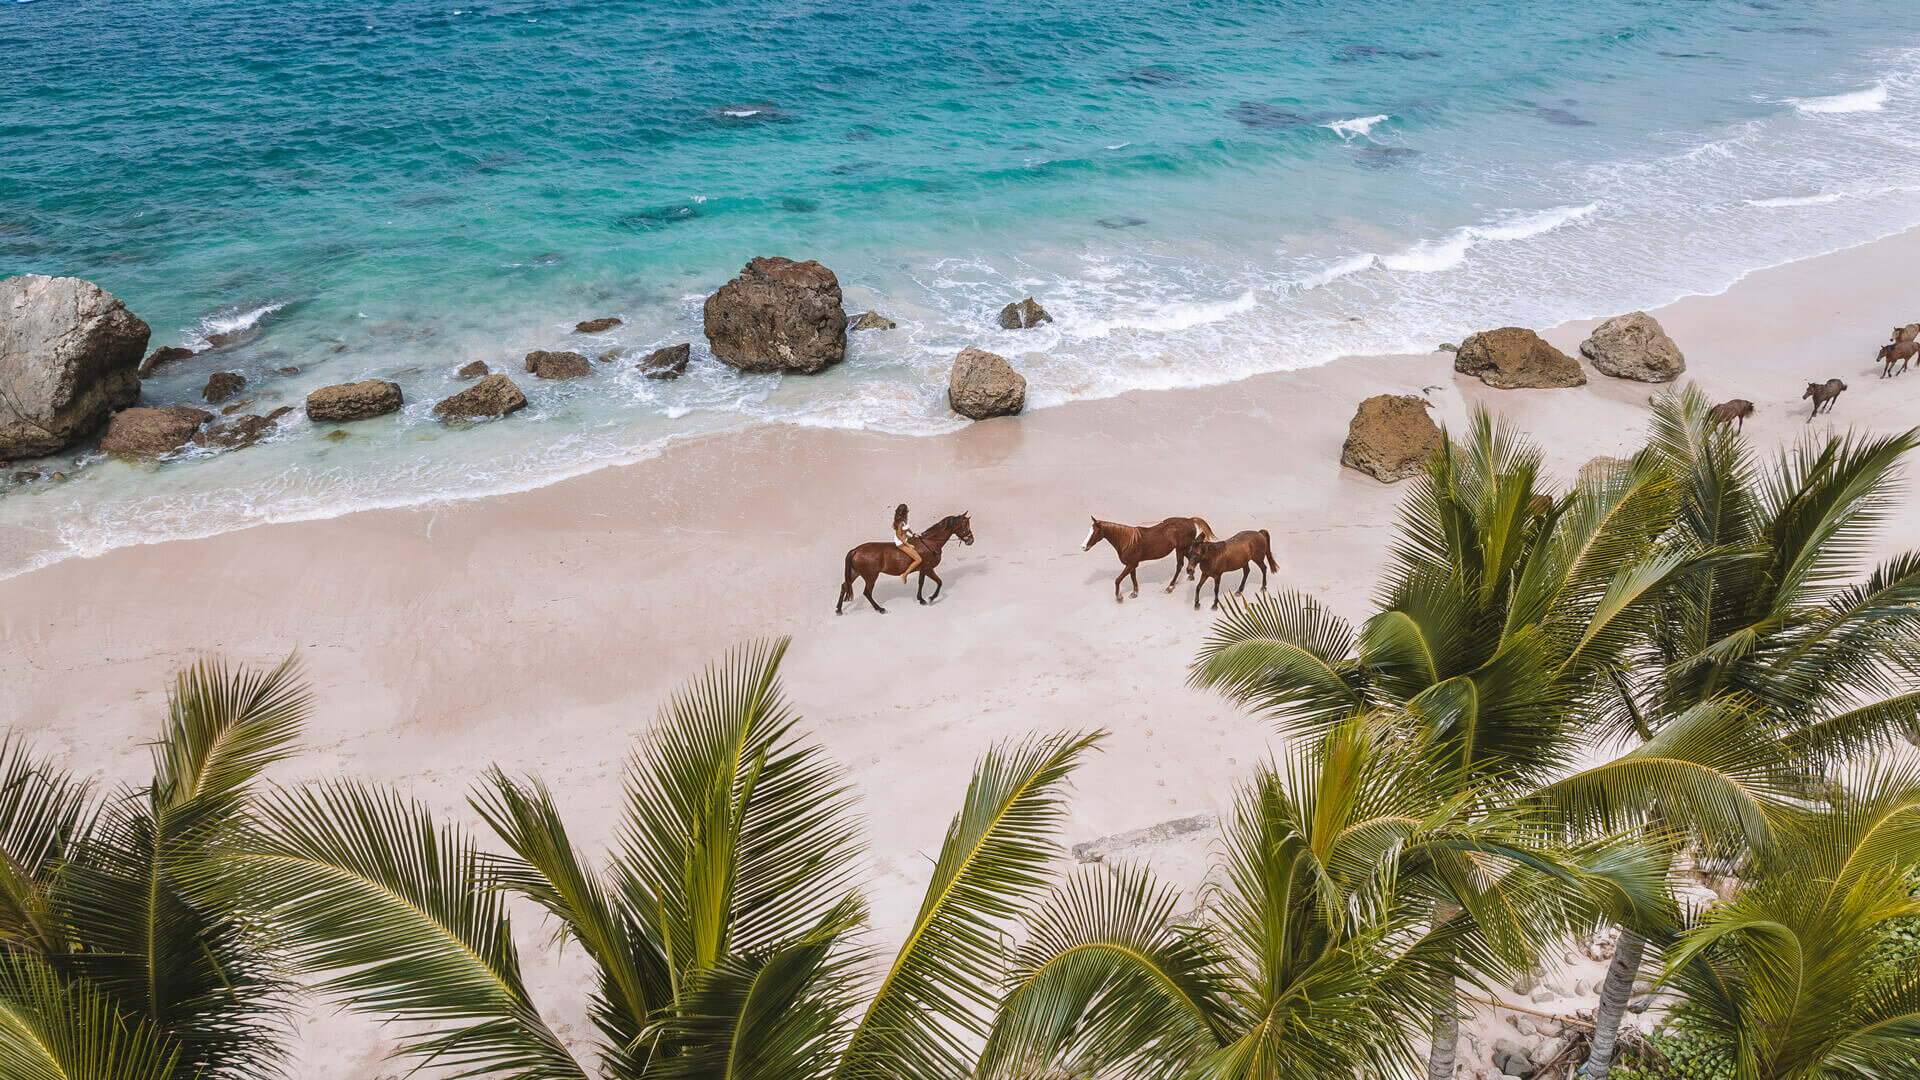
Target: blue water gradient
1197	191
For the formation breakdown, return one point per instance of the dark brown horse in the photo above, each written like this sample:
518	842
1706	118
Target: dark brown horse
869	561
1901	353
1242	551
1732	412
1822	395
1136	544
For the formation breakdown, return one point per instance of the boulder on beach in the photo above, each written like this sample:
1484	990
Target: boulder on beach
69	355
871	320
354	401
558	365
596	326
495	395
161	357
983	384
151	432
778	315
1391	437
1023	314
222	385
476	370
667	363
242	432
1513	358
1633	346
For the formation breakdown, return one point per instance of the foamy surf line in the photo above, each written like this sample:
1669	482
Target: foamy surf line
1872	99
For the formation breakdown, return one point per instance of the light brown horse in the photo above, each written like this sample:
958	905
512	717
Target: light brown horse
1822	395
869	561
1905	333
1901	352
1136	544
1242	551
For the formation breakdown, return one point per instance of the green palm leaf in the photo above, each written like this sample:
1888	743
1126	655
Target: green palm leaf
42	812
994	859
52	1029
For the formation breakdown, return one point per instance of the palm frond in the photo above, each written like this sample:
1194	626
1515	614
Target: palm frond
54	1029
936	995
1286	656
43	811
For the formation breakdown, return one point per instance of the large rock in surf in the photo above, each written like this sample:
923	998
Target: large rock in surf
1391	437
1633	346
149	433
222	385
558	365
778	315
667	363
69	355
354	401
1023	314
495	395
1513	358
983	384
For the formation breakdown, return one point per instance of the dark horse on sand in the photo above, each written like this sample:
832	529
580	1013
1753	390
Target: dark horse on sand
869	561
1242	551
1136	544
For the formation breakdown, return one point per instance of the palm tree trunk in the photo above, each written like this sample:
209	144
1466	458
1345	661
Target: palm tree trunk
1446	1018
1614	994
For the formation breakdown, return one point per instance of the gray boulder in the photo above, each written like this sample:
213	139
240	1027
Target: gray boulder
354	401
1023	314
1633	346
1513	358
69	355
778	315
495	395
983	384
1390	437
149	433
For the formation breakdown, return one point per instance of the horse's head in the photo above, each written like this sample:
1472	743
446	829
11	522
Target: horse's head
963	527
1198	548
1812	389
1094	536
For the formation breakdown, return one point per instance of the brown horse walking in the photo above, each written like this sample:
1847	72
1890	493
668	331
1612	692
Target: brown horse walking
1136	544
1901	352
1822	395
1242	551
869	561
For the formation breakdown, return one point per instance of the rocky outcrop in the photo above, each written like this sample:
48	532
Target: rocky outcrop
69	355
983	384
1391	437
222	385
558	365
242	432
1023	314
871	320
149	433
667	363
778	315
495	395
596	326
1633	346
475	370
1513	358
161	357
354	401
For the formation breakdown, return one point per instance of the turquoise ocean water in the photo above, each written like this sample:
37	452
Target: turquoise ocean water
1197	190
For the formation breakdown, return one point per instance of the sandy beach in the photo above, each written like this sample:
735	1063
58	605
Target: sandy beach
541	631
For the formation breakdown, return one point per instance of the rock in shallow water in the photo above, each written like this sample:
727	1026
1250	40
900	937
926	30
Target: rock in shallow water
495	395
149	433
476	370
161	357
983	384
222	385
558	365
243	432
69	355
871	320
596	326
354	401
1023	314
667	363
778	315
1514	357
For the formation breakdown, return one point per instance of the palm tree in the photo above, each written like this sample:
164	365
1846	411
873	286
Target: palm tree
111	962
1766	616
1505	622
723	929
1786	978
1321	955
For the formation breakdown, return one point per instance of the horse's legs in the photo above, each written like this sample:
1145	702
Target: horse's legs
1196	593
1134	573
870	579
1116	584
1216	591
1245	573
1179	561
1263	576
937	583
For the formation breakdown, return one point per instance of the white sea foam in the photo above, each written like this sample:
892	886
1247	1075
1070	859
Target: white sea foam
1872	99
232	321
1119	146
1449	251
1361	126
1352	264
1168	317
1799	200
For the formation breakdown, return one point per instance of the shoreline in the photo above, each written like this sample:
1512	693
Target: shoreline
540	630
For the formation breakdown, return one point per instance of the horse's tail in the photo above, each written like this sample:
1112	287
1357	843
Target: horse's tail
846	586
1206	530
1271	565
